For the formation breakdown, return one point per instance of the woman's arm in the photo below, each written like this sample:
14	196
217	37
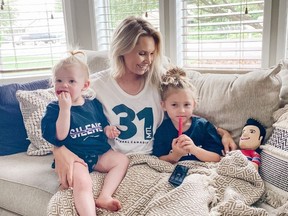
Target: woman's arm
202	154
64	161
227	140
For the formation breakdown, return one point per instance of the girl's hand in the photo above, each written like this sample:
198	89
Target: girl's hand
186	143
65	101
111	132
178	148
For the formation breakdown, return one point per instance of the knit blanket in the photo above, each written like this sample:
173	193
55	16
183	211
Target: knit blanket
229	187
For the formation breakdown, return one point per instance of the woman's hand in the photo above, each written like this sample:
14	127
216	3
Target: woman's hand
227	140
64	162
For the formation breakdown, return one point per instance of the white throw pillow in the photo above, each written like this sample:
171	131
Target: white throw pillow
228	100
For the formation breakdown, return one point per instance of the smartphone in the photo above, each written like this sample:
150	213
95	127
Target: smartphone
178	175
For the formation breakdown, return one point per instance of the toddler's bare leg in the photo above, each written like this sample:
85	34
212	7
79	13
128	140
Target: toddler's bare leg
115	164
82	191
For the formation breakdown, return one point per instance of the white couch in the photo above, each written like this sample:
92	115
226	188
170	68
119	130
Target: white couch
27	181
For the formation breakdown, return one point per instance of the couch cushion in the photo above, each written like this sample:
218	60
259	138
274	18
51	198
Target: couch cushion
27	183
97	60
228	100
33	106
11	119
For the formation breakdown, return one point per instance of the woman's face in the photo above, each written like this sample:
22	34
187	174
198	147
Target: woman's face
138	61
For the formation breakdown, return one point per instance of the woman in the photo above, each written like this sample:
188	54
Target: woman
129	93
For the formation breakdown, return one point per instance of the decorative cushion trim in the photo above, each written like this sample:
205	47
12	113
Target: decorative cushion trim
279	139
274	169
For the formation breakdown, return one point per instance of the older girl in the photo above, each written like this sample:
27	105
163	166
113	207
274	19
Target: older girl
183	136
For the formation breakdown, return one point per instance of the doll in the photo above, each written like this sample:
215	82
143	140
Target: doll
253	135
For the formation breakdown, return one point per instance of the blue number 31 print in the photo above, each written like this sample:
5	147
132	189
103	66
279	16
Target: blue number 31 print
146	114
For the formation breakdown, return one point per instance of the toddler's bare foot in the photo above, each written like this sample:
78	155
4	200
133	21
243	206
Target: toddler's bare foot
110	204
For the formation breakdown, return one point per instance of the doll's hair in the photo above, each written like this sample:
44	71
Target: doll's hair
256	123
175	79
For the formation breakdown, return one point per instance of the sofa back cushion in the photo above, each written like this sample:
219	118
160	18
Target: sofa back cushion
97	60
13	136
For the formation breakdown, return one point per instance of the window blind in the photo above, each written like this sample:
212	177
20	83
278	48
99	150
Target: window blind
110	13
222	34
32	35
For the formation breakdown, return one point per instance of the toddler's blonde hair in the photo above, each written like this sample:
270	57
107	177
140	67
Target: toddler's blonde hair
75	57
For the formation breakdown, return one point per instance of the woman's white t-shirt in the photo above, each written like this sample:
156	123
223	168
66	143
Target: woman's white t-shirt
136	116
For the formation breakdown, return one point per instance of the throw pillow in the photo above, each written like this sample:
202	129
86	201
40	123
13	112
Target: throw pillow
274	165
228	100
33	105
11	122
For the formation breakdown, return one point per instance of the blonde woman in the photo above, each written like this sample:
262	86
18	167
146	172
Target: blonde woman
129	93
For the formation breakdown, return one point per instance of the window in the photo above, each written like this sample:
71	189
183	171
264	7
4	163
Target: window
110	13
222	34
32	36
214	34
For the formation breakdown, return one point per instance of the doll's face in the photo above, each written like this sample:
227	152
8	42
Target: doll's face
250	138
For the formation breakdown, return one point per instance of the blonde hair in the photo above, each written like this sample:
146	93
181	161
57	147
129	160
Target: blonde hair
126	37
175	79
75	57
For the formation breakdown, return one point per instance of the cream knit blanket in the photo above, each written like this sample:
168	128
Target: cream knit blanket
229	187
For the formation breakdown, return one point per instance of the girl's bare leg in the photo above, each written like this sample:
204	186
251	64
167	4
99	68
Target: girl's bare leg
82	191
115	164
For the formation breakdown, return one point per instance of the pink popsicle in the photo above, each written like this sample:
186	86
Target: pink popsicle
180	126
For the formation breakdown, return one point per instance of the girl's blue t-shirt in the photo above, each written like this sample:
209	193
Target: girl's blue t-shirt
202	132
